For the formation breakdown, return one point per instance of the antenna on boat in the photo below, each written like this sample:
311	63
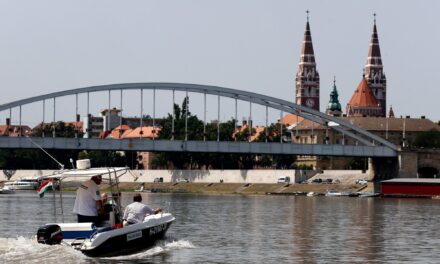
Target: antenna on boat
71	162
47	153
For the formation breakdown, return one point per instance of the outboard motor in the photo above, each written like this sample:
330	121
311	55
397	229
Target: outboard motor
50	235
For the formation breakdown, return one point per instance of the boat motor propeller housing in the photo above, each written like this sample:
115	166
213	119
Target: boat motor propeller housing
49	234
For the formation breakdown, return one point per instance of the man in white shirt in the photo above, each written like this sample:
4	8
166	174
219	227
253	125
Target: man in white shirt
88	201
135	212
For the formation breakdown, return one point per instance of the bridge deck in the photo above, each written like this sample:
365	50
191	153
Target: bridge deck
198	146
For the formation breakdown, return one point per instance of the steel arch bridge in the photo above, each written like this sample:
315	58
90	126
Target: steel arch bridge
369	144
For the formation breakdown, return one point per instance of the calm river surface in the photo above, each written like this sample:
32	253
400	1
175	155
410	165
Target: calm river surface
247	229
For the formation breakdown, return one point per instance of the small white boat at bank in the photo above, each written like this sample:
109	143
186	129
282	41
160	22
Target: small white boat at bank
23	184
6	190
334	193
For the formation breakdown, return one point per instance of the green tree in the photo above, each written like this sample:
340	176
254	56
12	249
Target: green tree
61	130
428	139
273	133
358	163
105	158
181	119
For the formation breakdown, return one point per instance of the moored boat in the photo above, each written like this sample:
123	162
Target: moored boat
6	190
333	193
23	184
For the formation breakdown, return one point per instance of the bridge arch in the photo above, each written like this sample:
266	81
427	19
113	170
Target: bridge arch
428	171
359	135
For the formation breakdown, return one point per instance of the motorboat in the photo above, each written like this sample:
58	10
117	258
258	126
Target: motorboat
110	239
23	184
333	193
106	241
6	190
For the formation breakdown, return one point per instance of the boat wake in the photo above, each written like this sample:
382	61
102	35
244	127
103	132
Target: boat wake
21	249
159	248
27	250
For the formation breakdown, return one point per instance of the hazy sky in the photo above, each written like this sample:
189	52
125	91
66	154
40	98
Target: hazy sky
252	45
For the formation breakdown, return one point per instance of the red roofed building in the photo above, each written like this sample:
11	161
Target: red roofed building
291	119
14	131
119	131
256	131
142	132
363	102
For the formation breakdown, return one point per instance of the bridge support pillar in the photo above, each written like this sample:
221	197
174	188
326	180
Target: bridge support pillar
408	164
370	171
383	168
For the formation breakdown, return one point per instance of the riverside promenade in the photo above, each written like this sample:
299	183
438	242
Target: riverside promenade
228	181
269	176
245	189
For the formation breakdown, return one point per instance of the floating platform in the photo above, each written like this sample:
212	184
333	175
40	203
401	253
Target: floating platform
411	187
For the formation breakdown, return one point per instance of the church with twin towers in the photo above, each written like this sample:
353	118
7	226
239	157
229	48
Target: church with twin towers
369	99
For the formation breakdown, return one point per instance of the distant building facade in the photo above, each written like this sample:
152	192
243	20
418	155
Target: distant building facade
103	125
399	131
14	130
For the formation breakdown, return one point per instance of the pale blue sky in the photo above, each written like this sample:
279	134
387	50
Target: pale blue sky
48	46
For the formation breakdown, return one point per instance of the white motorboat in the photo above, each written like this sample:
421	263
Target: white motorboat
334	193
23	184
111	239
6	190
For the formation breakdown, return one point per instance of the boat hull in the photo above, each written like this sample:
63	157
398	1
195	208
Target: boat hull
6	191
128	243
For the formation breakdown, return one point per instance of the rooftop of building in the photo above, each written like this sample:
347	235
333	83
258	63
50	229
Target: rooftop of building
290	119
363	96
14	130
141	132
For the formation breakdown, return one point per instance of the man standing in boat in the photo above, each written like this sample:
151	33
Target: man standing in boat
88	204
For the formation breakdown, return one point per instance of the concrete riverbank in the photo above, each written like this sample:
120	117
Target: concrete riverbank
244	189
267	176
243	182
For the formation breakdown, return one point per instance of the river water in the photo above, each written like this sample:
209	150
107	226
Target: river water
247	229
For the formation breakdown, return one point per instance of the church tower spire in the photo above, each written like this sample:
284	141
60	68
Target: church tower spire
334	107
307	77
374	74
